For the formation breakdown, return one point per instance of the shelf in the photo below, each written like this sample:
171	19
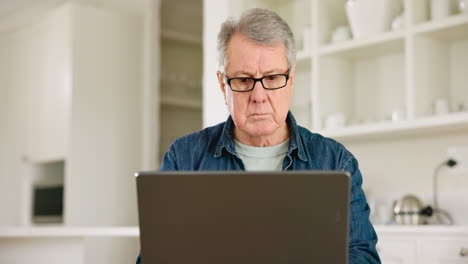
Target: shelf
454	28
405	71
440	56
426	125
387	43
57	232
181	102
183	37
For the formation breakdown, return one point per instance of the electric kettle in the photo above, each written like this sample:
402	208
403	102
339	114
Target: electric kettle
409	210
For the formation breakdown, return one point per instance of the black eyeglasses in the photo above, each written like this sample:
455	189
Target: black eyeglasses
247	84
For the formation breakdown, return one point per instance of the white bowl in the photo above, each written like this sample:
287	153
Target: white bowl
370	17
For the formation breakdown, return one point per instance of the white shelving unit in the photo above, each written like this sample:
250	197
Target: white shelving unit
419	62
367	79
397	73
181	70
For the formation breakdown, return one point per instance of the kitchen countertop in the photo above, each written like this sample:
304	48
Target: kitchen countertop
133	231
422	229
67	232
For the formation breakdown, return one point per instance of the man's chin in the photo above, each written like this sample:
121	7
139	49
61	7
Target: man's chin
263	129
259	127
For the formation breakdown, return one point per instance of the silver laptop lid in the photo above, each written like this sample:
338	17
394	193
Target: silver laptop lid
243	217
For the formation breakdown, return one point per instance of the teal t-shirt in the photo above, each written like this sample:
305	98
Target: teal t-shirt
262	158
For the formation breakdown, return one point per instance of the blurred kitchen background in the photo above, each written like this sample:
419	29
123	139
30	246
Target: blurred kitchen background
92	91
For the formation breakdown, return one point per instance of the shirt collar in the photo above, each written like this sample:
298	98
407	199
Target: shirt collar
226	140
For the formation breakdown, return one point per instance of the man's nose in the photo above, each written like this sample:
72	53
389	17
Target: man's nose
258	94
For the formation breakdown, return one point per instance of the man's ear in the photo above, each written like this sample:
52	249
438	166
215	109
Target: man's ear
292	75
222	84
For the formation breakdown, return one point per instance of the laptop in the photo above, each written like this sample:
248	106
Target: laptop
239	217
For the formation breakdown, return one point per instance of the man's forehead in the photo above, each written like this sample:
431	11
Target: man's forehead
248	57
239	42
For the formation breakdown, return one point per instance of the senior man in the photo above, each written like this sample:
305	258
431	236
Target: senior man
256	76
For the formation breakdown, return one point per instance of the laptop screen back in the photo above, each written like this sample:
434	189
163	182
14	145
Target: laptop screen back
243	217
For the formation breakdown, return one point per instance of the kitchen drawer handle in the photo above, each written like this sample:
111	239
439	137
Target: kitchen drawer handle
463	252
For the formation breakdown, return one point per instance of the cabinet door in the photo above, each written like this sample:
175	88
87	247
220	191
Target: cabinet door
48	70
397	251
444	251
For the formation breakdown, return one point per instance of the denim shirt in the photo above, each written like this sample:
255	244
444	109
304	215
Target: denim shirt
213	149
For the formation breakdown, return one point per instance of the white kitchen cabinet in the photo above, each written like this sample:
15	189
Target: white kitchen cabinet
423	244
36	86
72	82
77	245
445	250
72	88
51	117
397	251
79	70
386	84
77	67
47	70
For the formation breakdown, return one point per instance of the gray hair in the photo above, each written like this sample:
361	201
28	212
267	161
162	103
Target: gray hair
261	25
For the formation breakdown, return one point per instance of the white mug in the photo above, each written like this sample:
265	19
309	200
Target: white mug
340	34
440	9
441	106
398	22
334	121
397	116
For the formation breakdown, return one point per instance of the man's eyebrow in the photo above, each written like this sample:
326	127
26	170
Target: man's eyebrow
274	71
244	73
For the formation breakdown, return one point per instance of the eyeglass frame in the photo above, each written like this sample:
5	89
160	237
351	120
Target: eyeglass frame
228	80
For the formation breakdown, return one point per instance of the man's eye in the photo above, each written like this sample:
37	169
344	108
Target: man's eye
244	80
271	78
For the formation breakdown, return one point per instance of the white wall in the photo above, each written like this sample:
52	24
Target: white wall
213	99
105	149
394	167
